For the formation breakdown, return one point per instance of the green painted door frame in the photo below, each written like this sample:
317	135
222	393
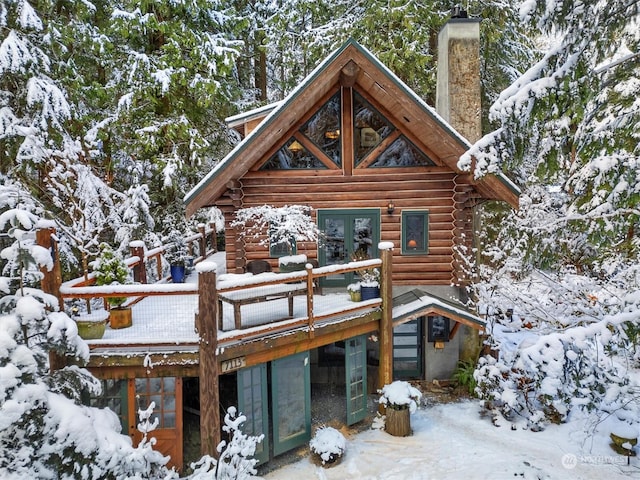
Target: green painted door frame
345	232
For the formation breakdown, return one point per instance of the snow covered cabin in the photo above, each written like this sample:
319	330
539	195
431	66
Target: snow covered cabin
378	166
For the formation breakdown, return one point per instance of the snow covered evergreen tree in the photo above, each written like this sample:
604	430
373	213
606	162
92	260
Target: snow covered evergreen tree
562	277
45	431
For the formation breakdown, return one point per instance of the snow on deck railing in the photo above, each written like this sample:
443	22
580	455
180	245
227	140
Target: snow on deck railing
266	317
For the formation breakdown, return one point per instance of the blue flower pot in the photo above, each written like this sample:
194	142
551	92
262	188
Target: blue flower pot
369	293
177	273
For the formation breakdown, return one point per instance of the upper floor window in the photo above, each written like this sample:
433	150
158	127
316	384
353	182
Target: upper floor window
369	128
323	129
402	153
415	232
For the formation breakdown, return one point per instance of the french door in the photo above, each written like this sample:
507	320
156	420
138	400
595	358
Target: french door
290	396
347	233
356	378
252	403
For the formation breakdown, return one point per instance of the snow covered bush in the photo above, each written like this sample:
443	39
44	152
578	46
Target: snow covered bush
329	444
235	462
111	269
281	226
563	347
399	395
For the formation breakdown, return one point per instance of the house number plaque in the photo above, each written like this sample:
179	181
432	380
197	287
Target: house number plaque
233	364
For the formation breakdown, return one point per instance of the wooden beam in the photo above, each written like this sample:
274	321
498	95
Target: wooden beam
349	74
385	371
209	367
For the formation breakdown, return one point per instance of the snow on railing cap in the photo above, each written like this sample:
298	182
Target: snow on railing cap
205	266
45	223
136	244
385	246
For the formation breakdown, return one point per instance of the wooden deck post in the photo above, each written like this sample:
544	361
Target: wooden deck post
207	328
52	279
136	249
202	240
51	282
385	371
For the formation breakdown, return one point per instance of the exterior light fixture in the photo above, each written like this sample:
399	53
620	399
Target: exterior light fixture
391	207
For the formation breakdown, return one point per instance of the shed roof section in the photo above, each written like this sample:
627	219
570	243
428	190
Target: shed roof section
350	65
417	303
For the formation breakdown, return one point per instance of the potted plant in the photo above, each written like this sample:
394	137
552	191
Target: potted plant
354	291
369	277
111	269
91	325
327	446
399	399
177	255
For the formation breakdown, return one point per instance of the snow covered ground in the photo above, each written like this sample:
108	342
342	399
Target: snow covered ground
452	441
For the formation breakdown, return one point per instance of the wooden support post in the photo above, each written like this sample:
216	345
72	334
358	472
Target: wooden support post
136	249
207	328
310	294
52	279
203	240
385	371
51	282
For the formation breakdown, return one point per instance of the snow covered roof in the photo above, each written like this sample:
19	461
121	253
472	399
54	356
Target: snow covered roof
416	115
417	303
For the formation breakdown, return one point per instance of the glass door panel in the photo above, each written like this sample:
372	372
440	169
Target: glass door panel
356	379
407	352
291	402
252	403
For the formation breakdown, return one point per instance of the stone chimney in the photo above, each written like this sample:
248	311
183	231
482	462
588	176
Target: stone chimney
458	91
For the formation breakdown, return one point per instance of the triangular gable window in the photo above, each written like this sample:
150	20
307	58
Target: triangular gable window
293	156
402	153
369	128
323	129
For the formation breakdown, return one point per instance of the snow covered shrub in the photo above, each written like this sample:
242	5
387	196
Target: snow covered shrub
281	226
399	395
573	357
111	269
235	462
329	444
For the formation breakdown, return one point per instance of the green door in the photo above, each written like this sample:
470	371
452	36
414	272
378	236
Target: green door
252	403
291	402
345	233
407	350
356	378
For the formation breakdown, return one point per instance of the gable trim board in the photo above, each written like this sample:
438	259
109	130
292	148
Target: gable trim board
429	304
388	90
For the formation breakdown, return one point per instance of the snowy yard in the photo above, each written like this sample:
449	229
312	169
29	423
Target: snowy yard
452	441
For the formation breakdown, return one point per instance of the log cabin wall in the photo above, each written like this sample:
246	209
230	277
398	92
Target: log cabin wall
430	189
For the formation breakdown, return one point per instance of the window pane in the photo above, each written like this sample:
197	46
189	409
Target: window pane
402	153
293	156
369	128
323	129
414	232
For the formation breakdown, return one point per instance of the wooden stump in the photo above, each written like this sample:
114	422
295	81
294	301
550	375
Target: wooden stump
398	422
